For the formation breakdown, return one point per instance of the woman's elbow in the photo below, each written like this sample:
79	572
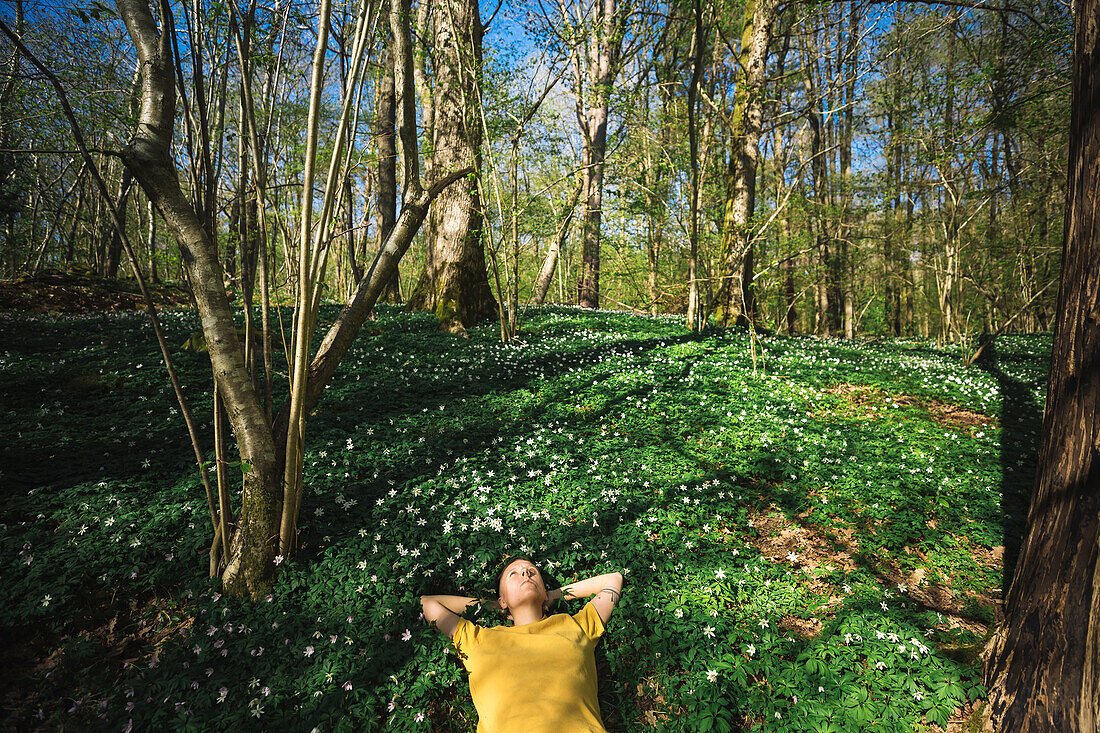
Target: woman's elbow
430	608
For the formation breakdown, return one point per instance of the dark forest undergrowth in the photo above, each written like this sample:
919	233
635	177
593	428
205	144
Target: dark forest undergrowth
814	541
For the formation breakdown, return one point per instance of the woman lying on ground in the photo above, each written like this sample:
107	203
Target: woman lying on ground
538	675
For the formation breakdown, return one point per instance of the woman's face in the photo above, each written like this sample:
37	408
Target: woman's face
521	582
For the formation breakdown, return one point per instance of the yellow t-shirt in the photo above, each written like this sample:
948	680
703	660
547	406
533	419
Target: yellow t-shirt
535	678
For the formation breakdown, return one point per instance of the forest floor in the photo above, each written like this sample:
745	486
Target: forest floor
814	532
55	291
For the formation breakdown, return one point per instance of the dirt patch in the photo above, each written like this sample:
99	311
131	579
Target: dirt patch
947	414
867	402
806	628
650	703
789	541
67	292
800	546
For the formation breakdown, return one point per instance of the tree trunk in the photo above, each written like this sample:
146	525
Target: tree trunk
951	196
600	69
546	274
420	73
656	198
454	283
148	157
819	224
847	65
1043	671
152	239
114	241
759	15
70	242
386	135
696	317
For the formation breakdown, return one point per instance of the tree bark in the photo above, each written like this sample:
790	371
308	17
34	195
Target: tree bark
148	157
1043	669
759	16
599	70
114	249
820	176
152	244
546	273
386	136
454	283
696	317
421	56
847	65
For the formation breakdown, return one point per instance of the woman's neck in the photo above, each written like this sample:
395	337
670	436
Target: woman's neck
523	615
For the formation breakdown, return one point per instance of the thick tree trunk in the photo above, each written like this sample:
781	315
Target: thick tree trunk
759	15
1043	671
454	283
588	290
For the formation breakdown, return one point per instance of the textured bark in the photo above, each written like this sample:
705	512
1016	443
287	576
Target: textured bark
588	291
759	17
1043	664
454	283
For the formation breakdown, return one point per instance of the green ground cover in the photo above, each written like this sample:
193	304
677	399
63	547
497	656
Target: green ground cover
812	543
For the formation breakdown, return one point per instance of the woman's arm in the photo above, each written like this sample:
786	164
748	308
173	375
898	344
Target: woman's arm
607	588
442	611
454	604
